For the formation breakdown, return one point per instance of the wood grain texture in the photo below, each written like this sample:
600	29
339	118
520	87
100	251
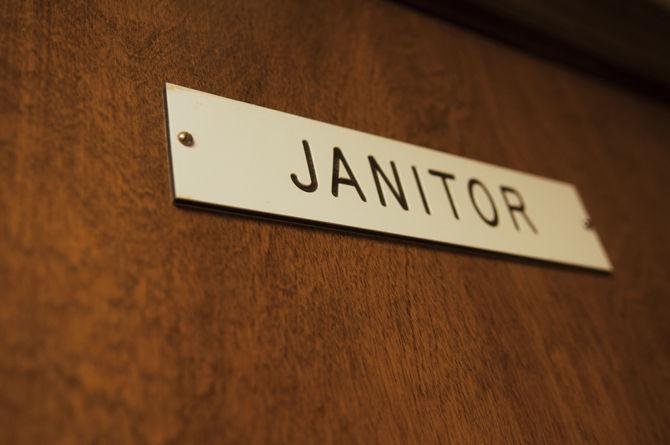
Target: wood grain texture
124	319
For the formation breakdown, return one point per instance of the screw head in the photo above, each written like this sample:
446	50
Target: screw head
185	138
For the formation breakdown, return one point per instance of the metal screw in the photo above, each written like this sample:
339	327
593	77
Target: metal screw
185	138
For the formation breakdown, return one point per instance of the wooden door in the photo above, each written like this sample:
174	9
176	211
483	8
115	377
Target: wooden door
124	319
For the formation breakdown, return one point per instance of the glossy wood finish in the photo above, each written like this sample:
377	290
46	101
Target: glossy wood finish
126	319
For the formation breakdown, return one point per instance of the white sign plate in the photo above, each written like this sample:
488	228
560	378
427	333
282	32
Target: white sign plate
248	158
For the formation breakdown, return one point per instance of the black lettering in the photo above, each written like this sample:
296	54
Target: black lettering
420	187
445	177
399	193
314	184
519	207
338	158
494	220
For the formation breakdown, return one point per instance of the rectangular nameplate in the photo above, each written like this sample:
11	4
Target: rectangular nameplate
244	157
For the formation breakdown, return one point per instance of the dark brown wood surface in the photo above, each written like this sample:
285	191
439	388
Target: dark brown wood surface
624	42
126	319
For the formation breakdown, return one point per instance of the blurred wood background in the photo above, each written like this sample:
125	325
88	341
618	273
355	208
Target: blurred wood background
623	42
124	319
